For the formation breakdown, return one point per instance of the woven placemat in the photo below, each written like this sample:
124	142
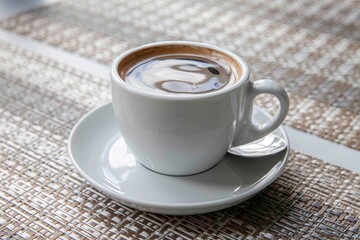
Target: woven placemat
311	47
43	197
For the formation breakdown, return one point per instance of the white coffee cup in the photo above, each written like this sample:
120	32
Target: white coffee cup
188	134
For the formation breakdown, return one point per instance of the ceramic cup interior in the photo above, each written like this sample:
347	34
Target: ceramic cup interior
235	67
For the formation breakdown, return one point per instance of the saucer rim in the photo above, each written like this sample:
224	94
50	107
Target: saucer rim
245	194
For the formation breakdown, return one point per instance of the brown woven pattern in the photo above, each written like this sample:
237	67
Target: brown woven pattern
43	197
311	47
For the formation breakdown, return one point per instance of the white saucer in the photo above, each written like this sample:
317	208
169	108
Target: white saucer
100	154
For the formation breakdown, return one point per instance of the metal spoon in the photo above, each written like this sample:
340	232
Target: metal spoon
265	146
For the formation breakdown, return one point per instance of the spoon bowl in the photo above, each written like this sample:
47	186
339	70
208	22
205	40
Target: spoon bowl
268	145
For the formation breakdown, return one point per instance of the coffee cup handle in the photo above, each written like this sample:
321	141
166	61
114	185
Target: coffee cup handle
249	131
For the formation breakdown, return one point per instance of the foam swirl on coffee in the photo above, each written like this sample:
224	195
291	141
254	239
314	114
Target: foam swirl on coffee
180	74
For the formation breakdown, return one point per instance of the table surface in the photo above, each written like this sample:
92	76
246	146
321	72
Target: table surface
54	68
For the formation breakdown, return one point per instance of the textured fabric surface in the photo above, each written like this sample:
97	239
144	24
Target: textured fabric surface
311	47
43	197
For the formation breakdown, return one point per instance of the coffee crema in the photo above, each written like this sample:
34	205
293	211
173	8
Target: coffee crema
190	71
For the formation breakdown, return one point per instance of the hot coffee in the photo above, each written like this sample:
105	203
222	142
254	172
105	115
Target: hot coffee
180	71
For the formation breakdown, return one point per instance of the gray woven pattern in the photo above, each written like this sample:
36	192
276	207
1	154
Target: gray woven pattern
311	47
43	197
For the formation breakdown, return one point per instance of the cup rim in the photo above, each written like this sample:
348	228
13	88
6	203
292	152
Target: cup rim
120	82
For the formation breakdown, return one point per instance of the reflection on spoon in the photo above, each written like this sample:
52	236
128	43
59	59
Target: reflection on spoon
265	146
